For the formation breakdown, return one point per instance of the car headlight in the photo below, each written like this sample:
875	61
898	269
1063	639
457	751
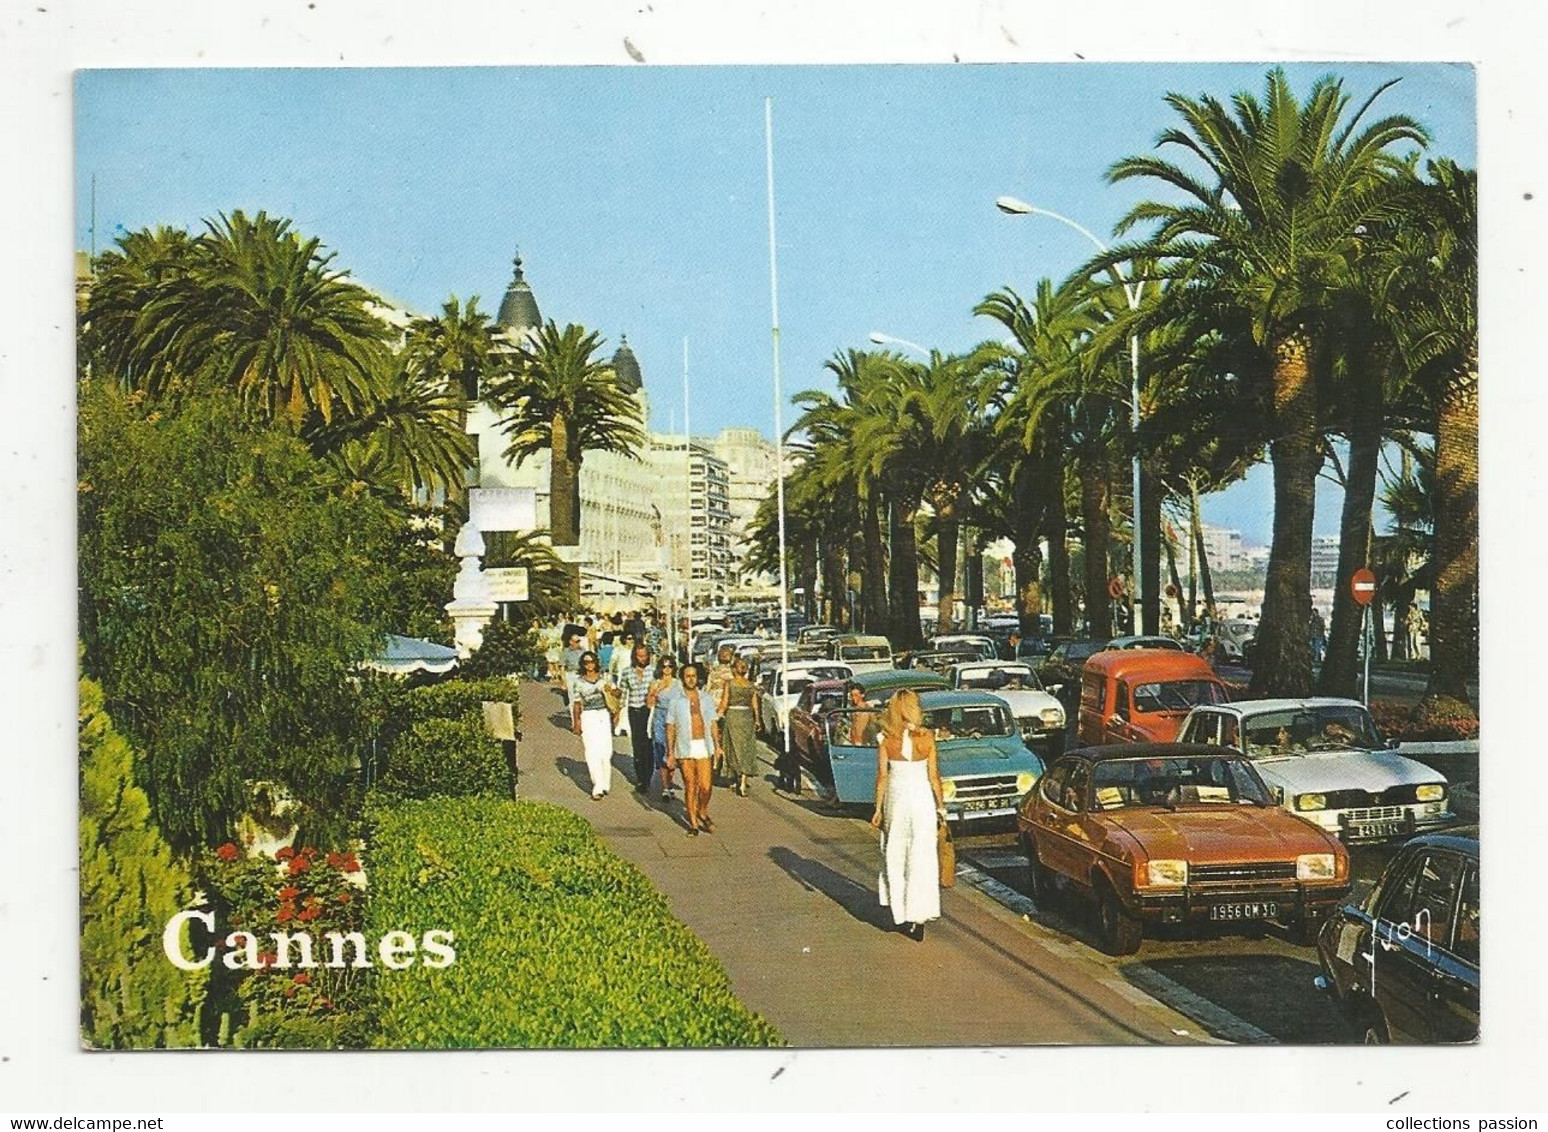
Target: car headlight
1430	792
1311	801
948	789
1167	872
1314	866
1025	781
1052	716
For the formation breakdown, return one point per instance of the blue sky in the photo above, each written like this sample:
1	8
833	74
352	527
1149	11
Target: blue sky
636	195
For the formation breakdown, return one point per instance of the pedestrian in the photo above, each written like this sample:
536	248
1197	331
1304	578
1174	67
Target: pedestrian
634	626
570	658
692	742
634	687
605	650
593	631
715	685
909	809
617	664
863	724
1319	635
738	706
553	647
660	697
592	719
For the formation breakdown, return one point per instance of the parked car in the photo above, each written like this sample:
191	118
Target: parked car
1234	638
983	646
985	768
935	660
879	684
1403	963
862	653
1039	716
780	688
1142	695
1145	643
811	633
1162	833
808	737
1325	761
1059	671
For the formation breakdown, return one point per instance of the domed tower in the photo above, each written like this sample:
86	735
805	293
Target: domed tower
627	367
519	314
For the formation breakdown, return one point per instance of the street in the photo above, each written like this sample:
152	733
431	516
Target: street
784	894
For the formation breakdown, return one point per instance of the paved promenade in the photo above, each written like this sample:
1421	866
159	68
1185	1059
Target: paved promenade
784	894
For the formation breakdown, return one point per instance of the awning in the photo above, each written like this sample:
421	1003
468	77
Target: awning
404	655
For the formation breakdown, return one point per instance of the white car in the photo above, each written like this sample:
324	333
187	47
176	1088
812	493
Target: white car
950	642
1325	762
1039	716
781	688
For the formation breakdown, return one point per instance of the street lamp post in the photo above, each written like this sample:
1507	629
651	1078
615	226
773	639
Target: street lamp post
1131	292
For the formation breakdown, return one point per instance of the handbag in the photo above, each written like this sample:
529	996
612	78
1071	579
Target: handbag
613	697
947	854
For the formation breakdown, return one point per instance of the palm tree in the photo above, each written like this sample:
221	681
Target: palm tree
125	284
1441	346
1270	229
455	348
560	399
260	312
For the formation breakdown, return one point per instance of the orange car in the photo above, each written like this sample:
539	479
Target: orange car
1169	833
1142	695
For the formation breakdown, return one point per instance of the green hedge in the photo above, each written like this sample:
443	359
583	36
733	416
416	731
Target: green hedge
559	942
446	758
454	698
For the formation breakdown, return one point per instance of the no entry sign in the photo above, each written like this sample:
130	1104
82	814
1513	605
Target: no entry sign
1362	584
1115	588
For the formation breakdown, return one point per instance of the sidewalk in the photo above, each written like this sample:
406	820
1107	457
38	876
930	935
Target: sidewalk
785	897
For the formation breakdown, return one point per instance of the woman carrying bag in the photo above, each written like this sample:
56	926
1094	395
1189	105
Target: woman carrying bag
909	809
591	713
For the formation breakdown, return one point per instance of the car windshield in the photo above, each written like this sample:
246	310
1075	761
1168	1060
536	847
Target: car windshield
1167	783
1325	727
827	701
1177	695
1009	678
976	721
864	652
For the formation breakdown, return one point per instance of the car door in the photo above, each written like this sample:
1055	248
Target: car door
1409	923
1454	991
1053	816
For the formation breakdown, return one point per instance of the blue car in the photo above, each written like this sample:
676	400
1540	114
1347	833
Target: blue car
985	768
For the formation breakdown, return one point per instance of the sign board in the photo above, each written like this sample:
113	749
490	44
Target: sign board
1171	589
503	508
1362	584
499	721
1115	588
507	583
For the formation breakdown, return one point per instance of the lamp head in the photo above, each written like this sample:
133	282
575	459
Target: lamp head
1013	206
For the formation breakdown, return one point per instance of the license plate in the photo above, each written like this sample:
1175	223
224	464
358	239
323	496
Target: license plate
1261	910
1378	829
972	805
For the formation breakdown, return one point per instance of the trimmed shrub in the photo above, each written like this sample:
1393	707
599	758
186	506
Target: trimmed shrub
508	650
559	942
446	758
453	698
131	997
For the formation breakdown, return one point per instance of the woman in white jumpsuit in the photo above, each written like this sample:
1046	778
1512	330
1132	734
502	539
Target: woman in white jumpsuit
908	807
592	720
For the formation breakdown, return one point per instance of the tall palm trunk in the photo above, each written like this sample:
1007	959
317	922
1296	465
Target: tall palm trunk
1056	529
873	589
903	589
1095	497
1184	623
1282	654
1341	665
946	542
1149	573
1033	501
1454	590
806	578
563	486
1196	523
834	583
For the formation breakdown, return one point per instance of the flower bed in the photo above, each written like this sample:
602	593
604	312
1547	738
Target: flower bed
559	942
1432	725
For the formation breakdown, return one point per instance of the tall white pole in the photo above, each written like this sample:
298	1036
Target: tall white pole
688	464
779	428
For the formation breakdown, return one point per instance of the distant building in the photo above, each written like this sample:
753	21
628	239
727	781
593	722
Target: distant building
1223	549
1324	560
752	464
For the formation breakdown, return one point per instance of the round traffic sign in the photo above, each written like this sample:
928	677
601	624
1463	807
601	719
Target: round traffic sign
1115	588
1171	589
1362	584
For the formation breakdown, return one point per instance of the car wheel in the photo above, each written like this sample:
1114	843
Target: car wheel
1039	877
1373	1029
1120	931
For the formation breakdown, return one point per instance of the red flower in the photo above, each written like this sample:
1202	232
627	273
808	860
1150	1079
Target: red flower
311	912
285	912
335	860
289	892
285	854
303	978
309	852
228	852
298	865
268	959
290	992
351	865
345	898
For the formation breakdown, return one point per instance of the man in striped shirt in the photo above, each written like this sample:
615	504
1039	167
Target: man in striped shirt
635	686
